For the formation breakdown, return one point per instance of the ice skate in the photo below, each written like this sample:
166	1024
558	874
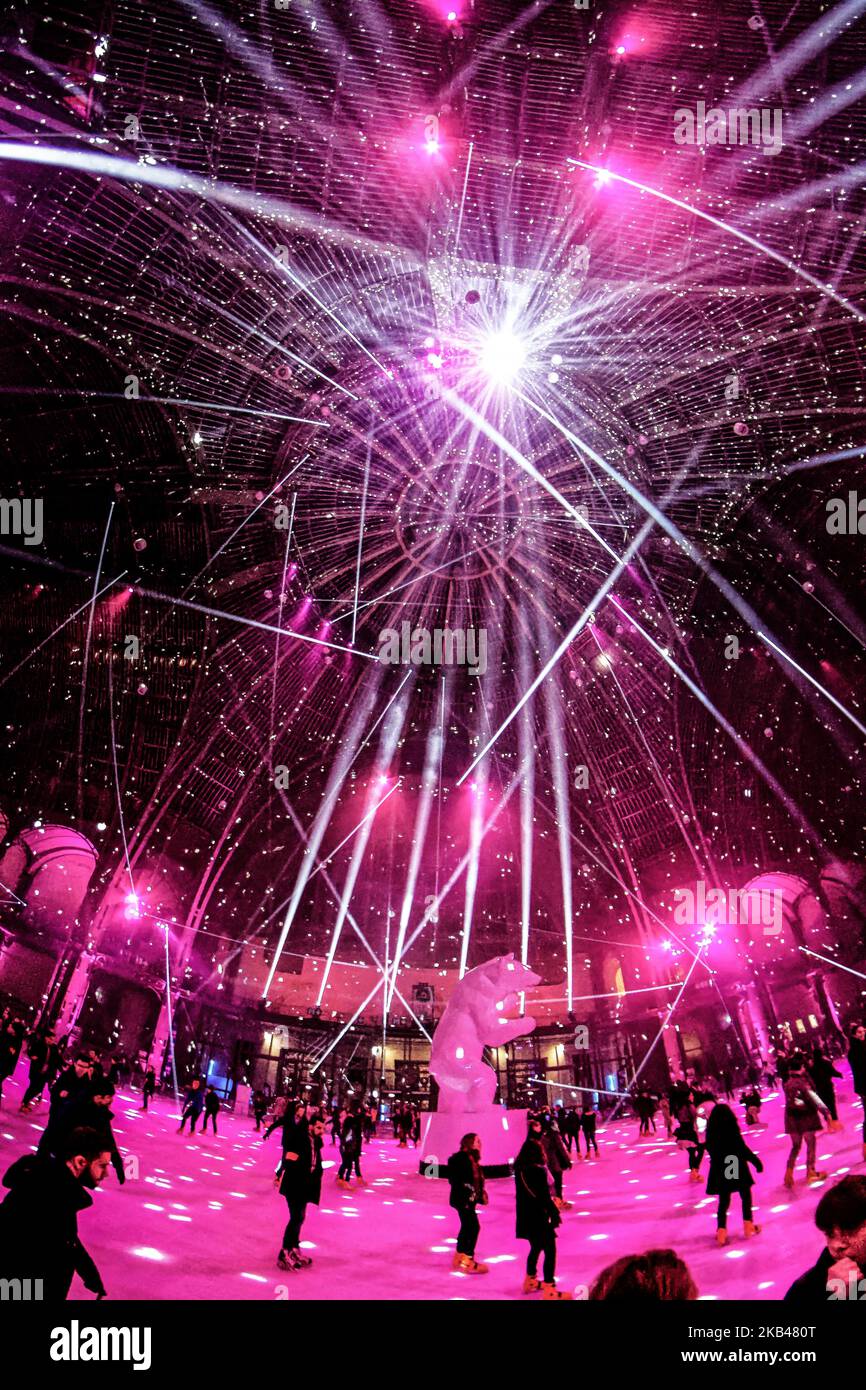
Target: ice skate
721	1236
531	1284
750	1229
550	1291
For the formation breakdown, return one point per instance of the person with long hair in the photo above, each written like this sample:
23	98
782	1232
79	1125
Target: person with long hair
657	1276
730	1157
299	1179
537	1218
687	1137
557	1157
803	1111
468	1192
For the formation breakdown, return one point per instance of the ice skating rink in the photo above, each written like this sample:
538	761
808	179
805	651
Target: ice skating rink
202	1219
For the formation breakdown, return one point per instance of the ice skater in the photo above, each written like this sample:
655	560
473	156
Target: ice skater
11	1039
41	1050
350	1150
260	1104
299	1179
587	1126
148	1088
192	1107
857	1063
211	1109
687	1138
730	1157
822	1072
405	1125
39	1218
537	1218
803	1111
556	1154
751	1101
467	1194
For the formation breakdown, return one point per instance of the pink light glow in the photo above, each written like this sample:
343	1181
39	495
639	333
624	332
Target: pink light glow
639	37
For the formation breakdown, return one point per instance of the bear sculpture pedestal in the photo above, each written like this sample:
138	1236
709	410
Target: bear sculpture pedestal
502	1134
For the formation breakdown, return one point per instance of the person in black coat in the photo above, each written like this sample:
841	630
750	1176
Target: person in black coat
557	1157
537	1218
192	1106
338	1116
840	1270
260	1103
730	1157
822	1072
587	1124
39	1217
299	1180
73	1084
351	1134
41	1050
293	1114
91	1113
148	1087
857	1063
211	1108
468	1192
11	1039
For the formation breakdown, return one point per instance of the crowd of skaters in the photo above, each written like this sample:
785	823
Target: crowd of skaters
47	1189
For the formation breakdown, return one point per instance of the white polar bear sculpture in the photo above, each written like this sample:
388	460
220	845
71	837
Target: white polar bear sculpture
474	1019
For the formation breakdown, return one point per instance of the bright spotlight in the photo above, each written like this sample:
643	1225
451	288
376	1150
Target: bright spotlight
502	356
